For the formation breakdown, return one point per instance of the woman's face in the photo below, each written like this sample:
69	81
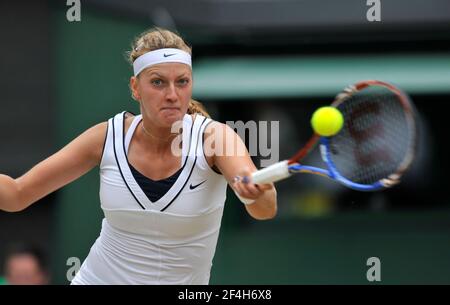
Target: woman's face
164	91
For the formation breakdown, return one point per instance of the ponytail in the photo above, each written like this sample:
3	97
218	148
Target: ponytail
197	107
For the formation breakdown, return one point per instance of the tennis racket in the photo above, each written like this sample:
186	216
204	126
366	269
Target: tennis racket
373	149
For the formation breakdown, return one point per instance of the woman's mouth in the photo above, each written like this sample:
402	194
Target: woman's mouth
170	109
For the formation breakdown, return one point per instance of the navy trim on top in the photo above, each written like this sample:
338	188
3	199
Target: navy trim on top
193	166
126	156
154	189
118	165
149	195
214	168
171	201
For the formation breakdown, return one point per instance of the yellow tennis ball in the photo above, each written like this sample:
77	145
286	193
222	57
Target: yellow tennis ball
327	121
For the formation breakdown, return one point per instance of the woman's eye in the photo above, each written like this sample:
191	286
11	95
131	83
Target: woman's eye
157	82
183	81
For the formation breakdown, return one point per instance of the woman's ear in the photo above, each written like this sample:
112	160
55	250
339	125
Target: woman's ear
134	88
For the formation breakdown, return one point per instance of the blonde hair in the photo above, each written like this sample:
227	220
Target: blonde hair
158	38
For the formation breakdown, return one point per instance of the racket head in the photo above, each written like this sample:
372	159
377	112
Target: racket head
377	143
378	140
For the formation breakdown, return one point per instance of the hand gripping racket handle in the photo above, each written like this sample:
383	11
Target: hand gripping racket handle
272	173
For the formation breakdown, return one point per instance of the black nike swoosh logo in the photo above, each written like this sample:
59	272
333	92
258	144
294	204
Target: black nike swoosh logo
167	55
195	186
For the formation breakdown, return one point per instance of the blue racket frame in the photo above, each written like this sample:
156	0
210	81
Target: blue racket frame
332	171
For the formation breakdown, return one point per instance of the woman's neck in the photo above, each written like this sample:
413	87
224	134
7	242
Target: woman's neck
159	139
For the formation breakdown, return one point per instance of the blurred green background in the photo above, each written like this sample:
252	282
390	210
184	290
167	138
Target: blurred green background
323	234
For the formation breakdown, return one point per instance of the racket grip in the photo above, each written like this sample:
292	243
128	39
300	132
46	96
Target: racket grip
272	173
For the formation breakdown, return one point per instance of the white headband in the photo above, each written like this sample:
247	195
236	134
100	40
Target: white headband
161	56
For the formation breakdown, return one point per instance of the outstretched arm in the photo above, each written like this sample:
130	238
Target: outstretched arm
65	166
235	162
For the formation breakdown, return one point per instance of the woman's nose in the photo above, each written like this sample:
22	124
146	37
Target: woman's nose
171	93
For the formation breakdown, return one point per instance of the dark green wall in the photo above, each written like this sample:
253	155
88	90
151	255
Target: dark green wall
413	247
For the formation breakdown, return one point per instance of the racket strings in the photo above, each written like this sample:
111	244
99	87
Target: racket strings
375	138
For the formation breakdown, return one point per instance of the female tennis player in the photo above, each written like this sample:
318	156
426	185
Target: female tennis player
162	205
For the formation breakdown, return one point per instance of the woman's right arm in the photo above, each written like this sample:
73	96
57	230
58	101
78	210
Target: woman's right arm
65	166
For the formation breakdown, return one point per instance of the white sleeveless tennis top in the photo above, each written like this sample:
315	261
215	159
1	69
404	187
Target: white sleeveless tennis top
170	241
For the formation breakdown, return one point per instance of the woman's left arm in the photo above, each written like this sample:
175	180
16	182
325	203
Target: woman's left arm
231	157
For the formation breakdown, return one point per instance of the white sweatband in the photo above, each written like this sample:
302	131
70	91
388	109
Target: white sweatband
161	56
